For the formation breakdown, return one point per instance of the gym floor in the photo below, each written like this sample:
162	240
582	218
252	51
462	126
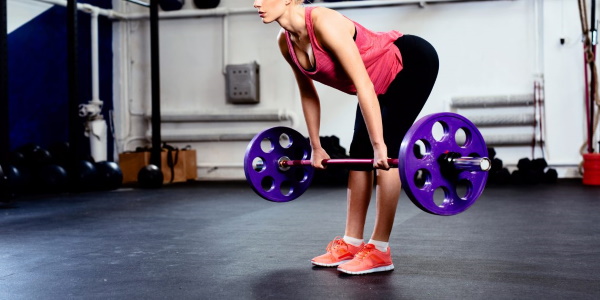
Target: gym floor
219	240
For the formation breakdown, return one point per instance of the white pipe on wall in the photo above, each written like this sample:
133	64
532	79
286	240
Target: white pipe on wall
224	11
96	124
509	140
490	120
228	116
225	38
492	101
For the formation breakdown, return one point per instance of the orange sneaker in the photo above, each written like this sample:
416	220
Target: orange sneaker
338	252
368	260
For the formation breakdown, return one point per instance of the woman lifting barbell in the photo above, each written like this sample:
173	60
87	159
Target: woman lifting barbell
392	74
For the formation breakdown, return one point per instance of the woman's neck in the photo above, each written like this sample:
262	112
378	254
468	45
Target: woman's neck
293	20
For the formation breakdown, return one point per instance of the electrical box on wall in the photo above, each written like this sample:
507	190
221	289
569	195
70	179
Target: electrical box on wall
242	83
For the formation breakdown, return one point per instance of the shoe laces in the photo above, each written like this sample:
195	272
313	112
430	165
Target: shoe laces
337	242
364	252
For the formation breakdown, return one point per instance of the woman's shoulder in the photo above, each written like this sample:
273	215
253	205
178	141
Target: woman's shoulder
326	19
324	12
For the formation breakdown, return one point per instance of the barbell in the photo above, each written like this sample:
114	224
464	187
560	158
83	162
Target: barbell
442	164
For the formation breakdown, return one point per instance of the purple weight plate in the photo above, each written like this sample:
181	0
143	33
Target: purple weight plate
262	168
469	183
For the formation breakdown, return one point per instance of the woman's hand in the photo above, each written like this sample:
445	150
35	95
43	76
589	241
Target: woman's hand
380	159
318	155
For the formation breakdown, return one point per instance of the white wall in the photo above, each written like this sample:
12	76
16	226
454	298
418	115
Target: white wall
565	92
485	48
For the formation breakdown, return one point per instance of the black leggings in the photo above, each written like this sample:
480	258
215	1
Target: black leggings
402	102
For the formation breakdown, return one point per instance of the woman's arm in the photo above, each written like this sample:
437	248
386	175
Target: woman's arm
310	105
335	34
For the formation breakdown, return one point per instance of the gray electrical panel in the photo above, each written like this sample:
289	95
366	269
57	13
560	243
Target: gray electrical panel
242	83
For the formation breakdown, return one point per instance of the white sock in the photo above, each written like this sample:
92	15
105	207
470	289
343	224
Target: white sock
353	241
379	245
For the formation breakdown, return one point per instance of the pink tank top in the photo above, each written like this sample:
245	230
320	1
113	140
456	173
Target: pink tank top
381	57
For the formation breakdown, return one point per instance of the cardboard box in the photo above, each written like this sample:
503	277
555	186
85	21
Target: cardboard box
184	167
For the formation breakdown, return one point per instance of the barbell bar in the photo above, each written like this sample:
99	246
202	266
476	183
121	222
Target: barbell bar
277	164
460	163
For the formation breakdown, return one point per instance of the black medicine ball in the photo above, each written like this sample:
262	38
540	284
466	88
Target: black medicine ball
206	3
168	5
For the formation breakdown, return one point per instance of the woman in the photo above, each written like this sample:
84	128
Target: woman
392	76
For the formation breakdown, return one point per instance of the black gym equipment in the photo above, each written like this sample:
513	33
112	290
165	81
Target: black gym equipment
539	164
531	172
60	153
31	167
528	172
51	179
169	5
498	173
108	175
16	158
524	164
33	156
4	194
551	176
525	173
82	176
501	176
497	164
150	176
152	171
491	152
73	57
155	158
4	121
18	178
204	4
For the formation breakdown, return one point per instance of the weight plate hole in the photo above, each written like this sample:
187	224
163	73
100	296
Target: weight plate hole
421	178
267	183
258	164
266	146
463	189
299	175
439	130
286	188
285	141
421	148
461	137
440	197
